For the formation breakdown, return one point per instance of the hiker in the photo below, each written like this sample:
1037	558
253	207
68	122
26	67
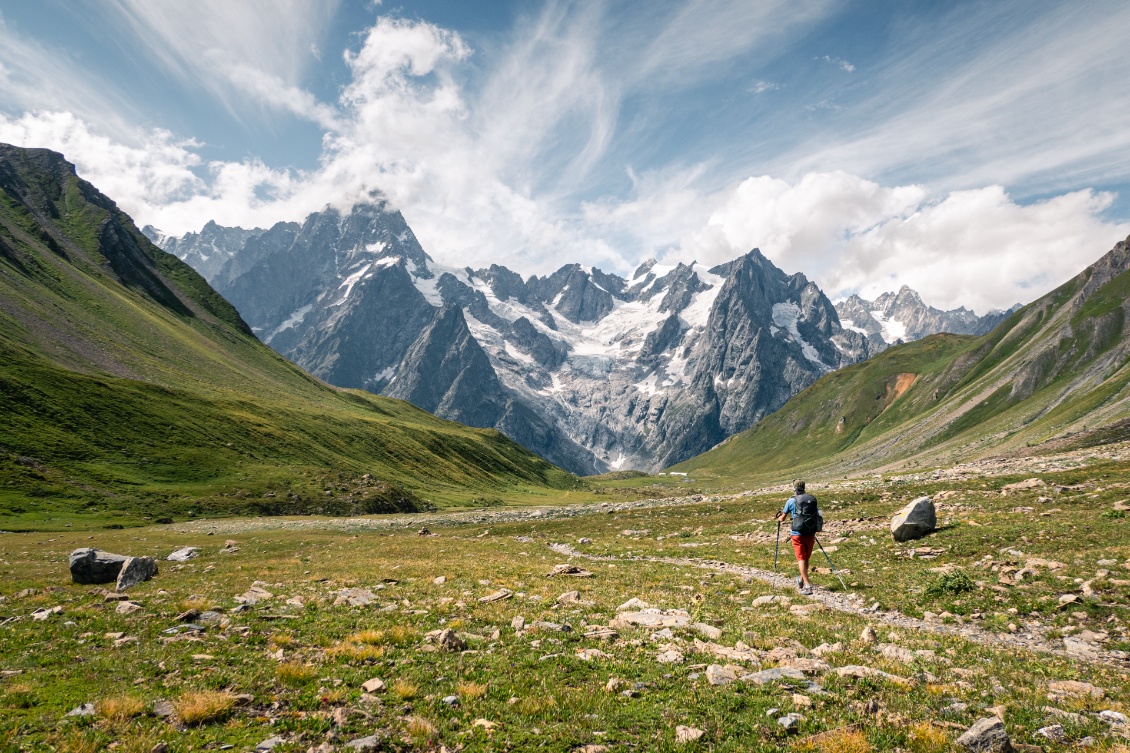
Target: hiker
805	523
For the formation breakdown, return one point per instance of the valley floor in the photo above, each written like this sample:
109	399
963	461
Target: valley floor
1015	608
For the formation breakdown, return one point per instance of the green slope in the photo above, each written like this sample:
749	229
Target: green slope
1053	374
129	388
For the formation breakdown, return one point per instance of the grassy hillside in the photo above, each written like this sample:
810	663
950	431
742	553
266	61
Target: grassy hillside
1057	370
128	388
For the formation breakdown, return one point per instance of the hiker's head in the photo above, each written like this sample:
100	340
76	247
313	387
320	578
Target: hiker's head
798	485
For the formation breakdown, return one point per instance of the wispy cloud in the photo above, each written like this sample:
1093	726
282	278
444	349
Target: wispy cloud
840	63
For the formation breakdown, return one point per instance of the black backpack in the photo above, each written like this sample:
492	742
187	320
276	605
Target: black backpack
808	521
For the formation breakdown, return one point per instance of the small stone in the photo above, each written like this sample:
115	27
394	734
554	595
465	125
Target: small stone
183	555
451	700
1113	717
440	580
868	635
485	724
790	722
719	675
573	570
633	604
127	607
372	742
584	540
44	613
163	709
161	747
985	736
684	734
670	656
373	685
270	743
707	631
424	532
590	654
615	685
518	623
86	709
1053	732
449	641
957	708
1075	689
499	595
801	701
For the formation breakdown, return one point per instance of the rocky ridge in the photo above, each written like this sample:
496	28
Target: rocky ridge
894	318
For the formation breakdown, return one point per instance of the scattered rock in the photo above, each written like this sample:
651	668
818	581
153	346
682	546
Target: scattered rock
127	607
486	724
373	685
719	675
518	623
230	547
652	618
670	655
163	709
135	570
790	722
855	670
895	653
184	554
451	700
89	566
573	570
424	532
773	675
707	631
633	604
449	641
914	521
1020	486
44	613
1113	717
86	709
353	597
825	649
1053	732
802	701
372	742
868	635
499	595
615	685
270	743
986	735
584	540
1074	689
684	734
589	654
254	595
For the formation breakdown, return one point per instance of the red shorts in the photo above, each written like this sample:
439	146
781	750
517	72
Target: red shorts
802	545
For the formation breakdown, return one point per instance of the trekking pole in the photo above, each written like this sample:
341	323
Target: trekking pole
777	546
834	570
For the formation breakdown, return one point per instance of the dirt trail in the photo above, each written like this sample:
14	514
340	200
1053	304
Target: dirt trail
1031	638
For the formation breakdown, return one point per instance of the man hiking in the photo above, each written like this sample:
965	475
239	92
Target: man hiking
805	524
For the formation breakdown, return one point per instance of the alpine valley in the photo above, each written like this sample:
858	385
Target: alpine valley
592	371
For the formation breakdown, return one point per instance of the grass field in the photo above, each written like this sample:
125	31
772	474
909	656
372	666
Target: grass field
292	665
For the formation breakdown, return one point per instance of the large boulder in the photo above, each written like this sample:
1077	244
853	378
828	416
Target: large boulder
915	520
136	570
94	566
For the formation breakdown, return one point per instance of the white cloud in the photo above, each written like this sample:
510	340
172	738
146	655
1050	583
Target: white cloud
843	65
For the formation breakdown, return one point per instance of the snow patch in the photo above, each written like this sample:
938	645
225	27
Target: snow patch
786	315
891	329
349	282
293	320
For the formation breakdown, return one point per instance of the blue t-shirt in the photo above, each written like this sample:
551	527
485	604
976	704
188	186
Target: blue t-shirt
791	509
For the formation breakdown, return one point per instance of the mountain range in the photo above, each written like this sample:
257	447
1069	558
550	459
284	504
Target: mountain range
129	387
591	370
1055	374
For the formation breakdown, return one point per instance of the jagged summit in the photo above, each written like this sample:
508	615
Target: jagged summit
903	316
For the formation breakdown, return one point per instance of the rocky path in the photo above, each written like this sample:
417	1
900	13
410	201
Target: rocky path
1031	638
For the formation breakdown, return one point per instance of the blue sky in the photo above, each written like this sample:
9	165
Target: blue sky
976	151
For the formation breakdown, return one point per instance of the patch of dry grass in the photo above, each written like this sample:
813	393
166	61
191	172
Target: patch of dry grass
19	695
404	689
202	707
926	738
471	690
293	673
420	731
120	708
354	652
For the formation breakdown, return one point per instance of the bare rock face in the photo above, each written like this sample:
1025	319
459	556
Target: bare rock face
136	570
986	736
914	521
90	566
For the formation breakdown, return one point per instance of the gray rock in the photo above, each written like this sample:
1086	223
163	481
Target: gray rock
773	675
1053	732
184	554
449	641
451	700
914	521
136	570
270	743
163	709
372	742
986	735
90	566
790	722
1113	717
86	709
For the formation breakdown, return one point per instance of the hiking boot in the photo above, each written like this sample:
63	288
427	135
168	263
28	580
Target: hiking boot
806	591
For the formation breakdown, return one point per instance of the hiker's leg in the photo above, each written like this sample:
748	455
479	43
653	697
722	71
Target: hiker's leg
807	543
803	566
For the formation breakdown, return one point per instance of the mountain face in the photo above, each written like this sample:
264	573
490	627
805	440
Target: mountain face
206	251
589	369
900	317
128	386
1054	373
